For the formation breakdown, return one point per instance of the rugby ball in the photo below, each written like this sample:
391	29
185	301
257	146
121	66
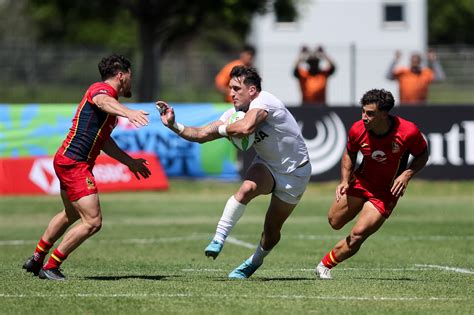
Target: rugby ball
244	143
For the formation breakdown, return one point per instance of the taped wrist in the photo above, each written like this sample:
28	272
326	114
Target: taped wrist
179	127
222	130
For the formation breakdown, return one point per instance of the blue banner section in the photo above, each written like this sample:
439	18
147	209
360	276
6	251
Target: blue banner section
178	156
38	130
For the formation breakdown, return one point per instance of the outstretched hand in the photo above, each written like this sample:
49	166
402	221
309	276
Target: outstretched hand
166	113
138	118
139	166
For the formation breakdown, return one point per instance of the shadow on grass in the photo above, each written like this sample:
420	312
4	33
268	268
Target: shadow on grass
286	279
268	279
142	277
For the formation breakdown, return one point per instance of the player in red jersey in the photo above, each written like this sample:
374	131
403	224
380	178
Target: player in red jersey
372	191
95	118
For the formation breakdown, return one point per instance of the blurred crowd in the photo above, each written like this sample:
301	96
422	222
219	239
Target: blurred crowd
314	67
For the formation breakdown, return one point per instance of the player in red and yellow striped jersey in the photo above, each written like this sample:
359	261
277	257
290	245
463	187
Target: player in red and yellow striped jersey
95	118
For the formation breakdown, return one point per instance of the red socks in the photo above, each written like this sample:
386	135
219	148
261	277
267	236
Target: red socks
330	260
55	260
42	250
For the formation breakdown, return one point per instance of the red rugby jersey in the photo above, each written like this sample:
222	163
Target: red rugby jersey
386	156
91	126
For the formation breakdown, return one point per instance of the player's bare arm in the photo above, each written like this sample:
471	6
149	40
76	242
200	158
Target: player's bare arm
347	166
110	105
202	134
401	182
248	124
136	166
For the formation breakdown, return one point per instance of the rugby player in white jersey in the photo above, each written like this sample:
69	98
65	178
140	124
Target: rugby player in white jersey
281	166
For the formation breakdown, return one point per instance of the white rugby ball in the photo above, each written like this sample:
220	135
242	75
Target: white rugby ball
244	143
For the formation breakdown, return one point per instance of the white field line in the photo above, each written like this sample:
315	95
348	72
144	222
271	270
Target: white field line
235	241
229	296
460	270
416	268
177	239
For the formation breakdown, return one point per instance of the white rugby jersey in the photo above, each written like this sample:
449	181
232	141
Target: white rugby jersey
278	139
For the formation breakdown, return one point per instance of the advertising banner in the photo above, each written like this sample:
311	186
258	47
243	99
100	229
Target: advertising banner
449	131
38	130
179	157
33	176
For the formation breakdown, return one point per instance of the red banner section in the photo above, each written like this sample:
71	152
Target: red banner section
30	175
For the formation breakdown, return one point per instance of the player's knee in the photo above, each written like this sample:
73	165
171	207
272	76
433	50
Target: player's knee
93	225
247	191
335	223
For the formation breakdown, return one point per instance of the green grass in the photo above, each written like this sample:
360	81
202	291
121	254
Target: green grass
148	258
450	94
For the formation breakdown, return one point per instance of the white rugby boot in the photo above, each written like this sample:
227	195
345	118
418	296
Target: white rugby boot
323	272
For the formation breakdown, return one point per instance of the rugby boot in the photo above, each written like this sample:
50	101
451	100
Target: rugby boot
33	266
323	272
51	274
213	249
244	271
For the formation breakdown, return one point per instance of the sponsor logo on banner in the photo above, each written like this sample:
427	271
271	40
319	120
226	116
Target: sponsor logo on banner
112	173
325	150
447	148
42	175
37	176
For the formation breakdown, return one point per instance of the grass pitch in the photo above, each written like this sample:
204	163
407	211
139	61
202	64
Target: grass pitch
149	256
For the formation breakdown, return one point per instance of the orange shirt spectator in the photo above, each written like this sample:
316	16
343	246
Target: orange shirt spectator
413	85
313	79
414	80
223	77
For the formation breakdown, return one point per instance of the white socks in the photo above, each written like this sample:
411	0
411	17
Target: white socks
260	253
233	211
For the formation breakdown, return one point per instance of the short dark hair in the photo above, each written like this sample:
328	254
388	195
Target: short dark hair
382	98
250	49
109	66
250	74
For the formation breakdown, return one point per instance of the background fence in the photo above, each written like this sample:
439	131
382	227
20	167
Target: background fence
60	73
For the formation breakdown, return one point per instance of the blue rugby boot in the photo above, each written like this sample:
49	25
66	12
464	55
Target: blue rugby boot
244	271
213	249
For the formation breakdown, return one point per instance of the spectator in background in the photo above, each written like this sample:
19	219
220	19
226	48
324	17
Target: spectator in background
414	81
223	77
313	78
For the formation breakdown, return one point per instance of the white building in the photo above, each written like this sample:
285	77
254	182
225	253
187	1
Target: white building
361	36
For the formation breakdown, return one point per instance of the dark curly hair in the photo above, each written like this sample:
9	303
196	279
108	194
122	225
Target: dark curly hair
250	74
382	98
109	66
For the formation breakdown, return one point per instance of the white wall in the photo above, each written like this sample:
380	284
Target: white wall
336	24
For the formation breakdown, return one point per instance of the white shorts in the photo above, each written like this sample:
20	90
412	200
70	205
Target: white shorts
289	187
